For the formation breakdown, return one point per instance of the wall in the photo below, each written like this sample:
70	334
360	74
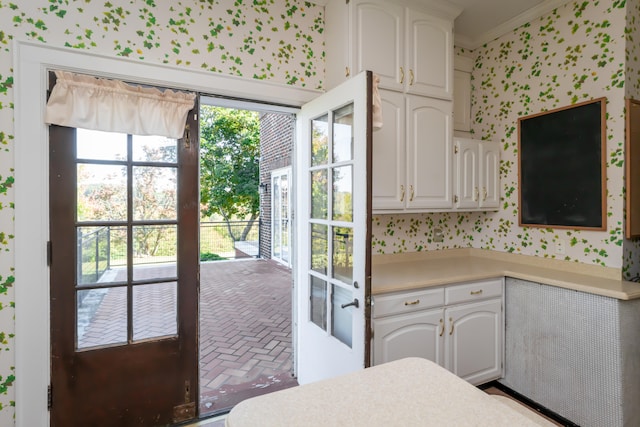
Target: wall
573	54
280	41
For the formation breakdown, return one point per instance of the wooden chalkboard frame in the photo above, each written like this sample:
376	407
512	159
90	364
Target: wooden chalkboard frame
555	149
632	172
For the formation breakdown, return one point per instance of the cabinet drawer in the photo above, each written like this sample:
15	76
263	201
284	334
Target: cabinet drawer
406	302
473	291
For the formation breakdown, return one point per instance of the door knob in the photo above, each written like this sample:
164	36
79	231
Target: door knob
354	303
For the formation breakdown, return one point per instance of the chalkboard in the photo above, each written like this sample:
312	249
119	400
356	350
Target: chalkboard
562	174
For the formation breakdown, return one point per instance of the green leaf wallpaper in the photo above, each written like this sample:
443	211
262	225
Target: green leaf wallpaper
580	51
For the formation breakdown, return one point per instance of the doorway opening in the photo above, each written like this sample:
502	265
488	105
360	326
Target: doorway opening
245	291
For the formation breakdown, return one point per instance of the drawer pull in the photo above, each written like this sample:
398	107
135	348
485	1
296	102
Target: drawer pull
412	302
476	292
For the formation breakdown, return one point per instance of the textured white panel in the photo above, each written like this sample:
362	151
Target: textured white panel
563	351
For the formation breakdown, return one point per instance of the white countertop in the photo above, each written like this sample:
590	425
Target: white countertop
401	272
408	392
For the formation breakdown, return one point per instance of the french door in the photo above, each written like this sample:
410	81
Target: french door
333	262
124	277
281	215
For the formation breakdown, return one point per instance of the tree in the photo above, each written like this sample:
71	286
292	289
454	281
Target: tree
230	160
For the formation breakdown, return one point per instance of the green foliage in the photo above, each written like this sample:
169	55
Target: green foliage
230	158
208	256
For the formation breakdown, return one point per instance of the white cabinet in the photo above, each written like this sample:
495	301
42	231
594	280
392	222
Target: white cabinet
476	174
460	327
412	155
409	49
462	94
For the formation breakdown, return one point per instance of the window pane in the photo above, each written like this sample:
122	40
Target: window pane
343	254
341	318
155	310
155	192
343	134
319	248
320	140
155	149
155	249
97	145
101	317
319	194
102	192
318	302
101	255
342	193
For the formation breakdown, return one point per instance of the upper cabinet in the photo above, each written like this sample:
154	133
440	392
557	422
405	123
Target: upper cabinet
409	49
476	174
462	93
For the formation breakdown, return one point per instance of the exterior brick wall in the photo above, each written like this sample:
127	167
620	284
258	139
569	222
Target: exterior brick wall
276	150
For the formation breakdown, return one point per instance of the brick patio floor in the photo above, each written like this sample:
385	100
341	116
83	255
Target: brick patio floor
245	327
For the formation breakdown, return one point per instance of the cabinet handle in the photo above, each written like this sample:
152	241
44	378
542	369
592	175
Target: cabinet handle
401	75
411	192
411	77
478	292
416	302
451	322
442	325
402	193
484	193
347	72
476	194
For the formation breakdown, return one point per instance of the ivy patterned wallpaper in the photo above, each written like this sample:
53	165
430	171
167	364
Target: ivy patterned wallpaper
572	54
276	40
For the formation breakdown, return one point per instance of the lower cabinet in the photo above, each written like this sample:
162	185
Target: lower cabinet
460	327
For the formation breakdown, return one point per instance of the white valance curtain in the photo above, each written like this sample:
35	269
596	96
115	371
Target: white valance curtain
95	103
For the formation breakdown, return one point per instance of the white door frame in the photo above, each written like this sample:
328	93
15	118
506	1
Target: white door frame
278	173
31	152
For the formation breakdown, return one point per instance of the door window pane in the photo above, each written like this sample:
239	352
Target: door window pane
155	310
101	317
320	140
343	254
155	149
342	193
343	134
102	192
319	248
155	249
318	302
341	318
155	192
101	254
98	145
319	196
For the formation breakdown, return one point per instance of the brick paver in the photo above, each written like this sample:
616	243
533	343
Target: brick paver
245	326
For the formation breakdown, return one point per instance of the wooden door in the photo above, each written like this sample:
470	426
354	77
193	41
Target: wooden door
333	229
124	278
489	159
466	173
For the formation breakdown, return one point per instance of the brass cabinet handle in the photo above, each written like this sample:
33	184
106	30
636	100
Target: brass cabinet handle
347	72
442	325
476	194
478	292
402	193
451	322
401	75
412	302
484	193
412	193
411	77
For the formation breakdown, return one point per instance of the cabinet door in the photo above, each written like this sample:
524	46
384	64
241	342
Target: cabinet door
461	101
429	163
489	175
429	56
417	334
466	173
378	40
474	349
389	173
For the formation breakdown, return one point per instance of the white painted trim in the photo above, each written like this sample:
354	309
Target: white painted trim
31	63
278	173
527	16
